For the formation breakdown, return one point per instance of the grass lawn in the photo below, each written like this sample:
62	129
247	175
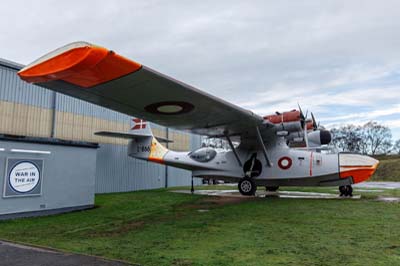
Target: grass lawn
388	169
159	227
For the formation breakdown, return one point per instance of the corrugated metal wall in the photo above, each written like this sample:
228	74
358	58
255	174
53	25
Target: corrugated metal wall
29	110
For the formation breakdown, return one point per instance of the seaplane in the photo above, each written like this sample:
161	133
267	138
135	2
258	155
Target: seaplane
281	149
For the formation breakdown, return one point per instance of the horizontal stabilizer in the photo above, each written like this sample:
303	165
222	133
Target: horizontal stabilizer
125	135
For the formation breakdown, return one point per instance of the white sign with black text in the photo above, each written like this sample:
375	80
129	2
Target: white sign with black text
23	177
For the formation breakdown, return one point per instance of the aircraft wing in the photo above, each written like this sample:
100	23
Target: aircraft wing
102	77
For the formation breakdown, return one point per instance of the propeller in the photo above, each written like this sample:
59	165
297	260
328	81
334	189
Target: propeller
315	125
303	117
301	112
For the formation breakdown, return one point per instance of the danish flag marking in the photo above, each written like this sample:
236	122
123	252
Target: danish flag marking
138	124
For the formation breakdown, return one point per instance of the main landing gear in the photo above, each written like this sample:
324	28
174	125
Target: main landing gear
247	186
271	188
346	191
251	168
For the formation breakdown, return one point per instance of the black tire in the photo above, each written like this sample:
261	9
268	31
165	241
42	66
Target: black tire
247	186
343	191
349	191
271	188
346	191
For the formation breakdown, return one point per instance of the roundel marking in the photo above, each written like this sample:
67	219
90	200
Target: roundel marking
169	108
285	163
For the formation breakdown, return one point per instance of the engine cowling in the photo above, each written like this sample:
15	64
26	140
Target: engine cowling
319	137
284	117
315	138
286	121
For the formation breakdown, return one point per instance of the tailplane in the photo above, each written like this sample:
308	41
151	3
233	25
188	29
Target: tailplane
143	144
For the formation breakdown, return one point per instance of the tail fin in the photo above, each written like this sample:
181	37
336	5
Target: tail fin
140	127
143	144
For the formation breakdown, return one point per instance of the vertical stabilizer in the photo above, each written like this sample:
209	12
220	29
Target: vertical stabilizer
140	127
146	146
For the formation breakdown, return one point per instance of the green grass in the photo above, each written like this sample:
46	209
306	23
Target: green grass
163	228
388	169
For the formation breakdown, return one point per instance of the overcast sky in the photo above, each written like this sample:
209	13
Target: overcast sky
339	59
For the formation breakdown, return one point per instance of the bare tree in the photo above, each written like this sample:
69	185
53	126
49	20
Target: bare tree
378	138
371	138
348	138
396	146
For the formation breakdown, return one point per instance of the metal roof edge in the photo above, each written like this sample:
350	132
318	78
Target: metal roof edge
11	64
50	141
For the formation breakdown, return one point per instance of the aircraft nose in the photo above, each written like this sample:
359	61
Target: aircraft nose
359	167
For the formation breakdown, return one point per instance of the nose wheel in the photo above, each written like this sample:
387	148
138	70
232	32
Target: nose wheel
247	186
346	191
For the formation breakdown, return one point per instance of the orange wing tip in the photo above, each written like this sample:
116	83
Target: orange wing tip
79	63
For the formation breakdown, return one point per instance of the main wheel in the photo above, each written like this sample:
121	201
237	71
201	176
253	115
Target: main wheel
271	188
247	186
346	191
349	191
342	190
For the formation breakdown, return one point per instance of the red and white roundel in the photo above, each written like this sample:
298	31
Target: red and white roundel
285	163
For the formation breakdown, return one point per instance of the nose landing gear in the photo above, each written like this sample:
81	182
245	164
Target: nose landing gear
346	191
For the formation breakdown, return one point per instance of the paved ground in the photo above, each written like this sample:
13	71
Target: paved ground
265	194
19	255
362	187
387	185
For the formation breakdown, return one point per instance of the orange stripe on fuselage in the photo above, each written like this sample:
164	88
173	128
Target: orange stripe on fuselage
85	66
156	160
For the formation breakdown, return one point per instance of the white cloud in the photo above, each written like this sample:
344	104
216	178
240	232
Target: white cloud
336	58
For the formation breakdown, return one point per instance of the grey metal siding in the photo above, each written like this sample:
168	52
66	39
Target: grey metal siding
115	171
68	104
13	89
68	178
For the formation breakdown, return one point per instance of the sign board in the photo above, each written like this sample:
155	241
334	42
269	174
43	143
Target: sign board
23	177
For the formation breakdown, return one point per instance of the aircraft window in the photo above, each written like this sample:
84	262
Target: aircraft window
203	155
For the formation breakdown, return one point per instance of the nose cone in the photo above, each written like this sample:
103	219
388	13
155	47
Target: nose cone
359	167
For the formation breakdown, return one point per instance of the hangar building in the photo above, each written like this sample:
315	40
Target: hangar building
43	117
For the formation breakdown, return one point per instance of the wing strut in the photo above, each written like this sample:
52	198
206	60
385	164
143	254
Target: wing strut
233	149
260	140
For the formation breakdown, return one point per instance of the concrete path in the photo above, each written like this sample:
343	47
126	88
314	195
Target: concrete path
362	187
384	185
265	194
20	255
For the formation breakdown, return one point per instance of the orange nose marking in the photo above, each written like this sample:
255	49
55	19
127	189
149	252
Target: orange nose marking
359	173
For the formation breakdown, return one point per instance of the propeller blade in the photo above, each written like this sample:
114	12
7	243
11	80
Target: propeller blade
301	113
315	125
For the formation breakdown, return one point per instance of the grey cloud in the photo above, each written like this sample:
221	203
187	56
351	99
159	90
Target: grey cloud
262	52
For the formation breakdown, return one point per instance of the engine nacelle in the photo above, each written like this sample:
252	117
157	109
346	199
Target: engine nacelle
315	138
278	118
319	137
286	121
294	126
